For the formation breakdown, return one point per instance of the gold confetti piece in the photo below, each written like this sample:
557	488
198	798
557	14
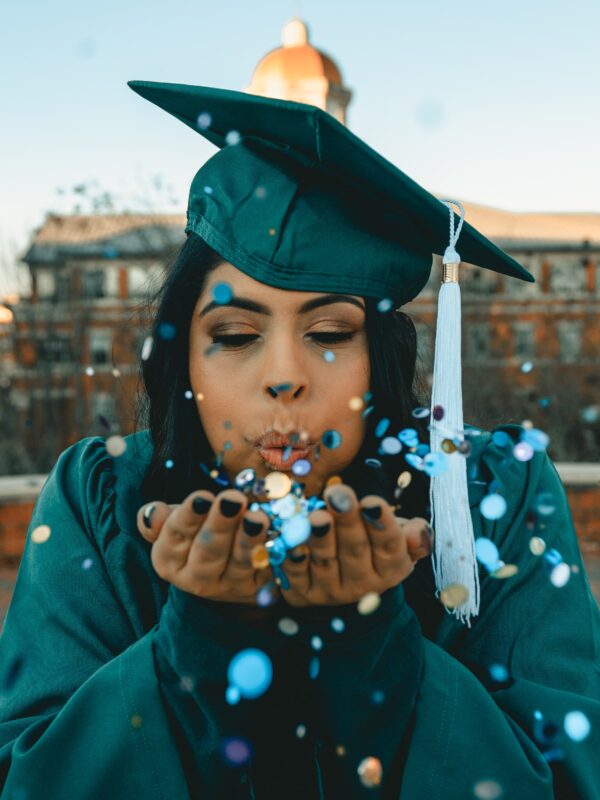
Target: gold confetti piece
272	231
288	626
455	594
355	403
199	396
259	556
333	481
505	571
136	721
404	480
537	545
487	790
214	473
116	372
448	446
41	534
369	603
277	484
115	446
369	771
340	750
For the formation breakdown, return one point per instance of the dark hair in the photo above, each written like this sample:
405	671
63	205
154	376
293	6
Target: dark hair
172	418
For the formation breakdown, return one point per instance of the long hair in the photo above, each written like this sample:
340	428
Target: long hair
181	451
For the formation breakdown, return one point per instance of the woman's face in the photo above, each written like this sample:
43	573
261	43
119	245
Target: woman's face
295	361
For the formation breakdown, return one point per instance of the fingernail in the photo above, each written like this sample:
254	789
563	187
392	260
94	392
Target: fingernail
340	501
201	505
229	508
372	512
251	527
147	515
320	530
297	559
430	532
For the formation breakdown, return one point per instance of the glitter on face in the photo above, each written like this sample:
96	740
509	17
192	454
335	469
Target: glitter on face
250	672
222	293
115	446
41	534
355	403
331	439
329	356
370	772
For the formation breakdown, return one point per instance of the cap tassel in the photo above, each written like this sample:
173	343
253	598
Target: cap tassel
453	558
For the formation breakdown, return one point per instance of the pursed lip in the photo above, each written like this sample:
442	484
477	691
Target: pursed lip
274	456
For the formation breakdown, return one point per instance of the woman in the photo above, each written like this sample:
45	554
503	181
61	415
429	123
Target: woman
158	654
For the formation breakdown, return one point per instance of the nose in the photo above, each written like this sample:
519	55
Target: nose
285	376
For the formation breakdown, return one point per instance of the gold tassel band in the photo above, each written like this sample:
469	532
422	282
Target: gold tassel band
450	273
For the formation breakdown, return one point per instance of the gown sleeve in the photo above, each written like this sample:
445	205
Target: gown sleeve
509	708
82	704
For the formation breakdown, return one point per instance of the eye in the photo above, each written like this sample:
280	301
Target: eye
233	340
331	337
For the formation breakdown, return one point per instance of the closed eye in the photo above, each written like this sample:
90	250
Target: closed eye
240	339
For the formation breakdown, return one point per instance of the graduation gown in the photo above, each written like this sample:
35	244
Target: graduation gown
112	682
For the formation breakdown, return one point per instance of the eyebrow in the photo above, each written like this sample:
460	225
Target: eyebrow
251	305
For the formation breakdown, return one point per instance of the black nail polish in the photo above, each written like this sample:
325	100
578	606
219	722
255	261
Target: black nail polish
229	508
147	515
372	512
320	530
251	527
297	559
201	505
340	501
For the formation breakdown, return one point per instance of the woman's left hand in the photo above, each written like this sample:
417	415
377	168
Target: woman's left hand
356	554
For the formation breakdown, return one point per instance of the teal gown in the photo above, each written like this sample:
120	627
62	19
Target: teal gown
112	682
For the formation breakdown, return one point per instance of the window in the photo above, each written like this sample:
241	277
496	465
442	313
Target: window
524	338
44	283
103	405
519	288
93	284
55	348
63	285
143	279
100	346
569	339
477	340
567	276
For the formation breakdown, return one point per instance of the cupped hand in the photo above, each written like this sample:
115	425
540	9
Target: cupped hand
351	553
203	547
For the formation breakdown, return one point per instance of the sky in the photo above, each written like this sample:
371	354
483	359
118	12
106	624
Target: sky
494	103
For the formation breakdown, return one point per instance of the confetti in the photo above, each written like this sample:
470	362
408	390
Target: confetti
87	563
420	413
167	331
404	480
222	293
208	189
204	120
329	356
277	484
454	595
537	545
338	625
577	726
505	571
332	439
316	643
493	506
235	751
147	348
259	556
369	603
523	451
89	371
115	446
233	137
169	463
545	504
313	668
288	626
382	427
250	672
301	731
385	305
136	721
245	479
301	467
448	446
487	790
498	672
438	413
487	553
355	403
370	772
41	534
560	575
435	464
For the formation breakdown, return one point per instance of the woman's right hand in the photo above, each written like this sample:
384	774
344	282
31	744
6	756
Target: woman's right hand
203	546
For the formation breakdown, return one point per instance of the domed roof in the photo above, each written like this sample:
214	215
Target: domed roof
297	60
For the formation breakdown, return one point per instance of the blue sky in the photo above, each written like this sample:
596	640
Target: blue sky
496	103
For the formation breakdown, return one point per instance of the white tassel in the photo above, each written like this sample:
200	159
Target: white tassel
453	558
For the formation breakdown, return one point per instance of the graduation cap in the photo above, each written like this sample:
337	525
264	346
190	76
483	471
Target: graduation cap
297	201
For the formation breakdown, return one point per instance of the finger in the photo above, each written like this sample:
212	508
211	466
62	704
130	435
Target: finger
323	567
419	537
211	548
171	548
151	518
386	535
296	568
352	540
252	530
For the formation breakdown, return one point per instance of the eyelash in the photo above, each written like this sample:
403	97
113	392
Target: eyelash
240	339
